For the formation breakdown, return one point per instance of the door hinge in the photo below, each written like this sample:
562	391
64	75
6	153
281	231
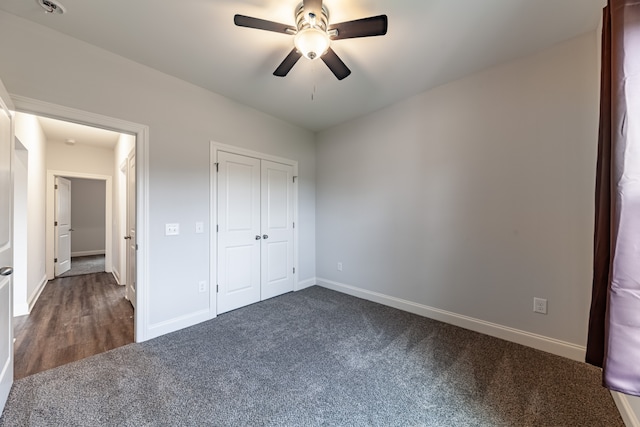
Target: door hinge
217	228
294	225
55	260
55	223
136	246
217	287
55	187
294	179
217	167
294	270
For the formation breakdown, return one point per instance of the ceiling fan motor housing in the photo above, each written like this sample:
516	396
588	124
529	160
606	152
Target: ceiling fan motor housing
311	39
304	20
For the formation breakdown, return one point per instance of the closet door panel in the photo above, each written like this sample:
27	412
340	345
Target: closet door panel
239	235
277	229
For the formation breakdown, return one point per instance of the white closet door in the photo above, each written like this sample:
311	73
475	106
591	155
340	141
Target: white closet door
277	229
239	234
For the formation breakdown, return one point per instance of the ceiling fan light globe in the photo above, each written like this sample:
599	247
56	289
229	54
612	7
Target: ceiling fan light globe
312	42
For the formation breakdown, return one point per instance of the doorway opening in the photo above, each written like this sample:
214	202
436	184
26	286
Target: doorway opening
94	230
81	208
80	212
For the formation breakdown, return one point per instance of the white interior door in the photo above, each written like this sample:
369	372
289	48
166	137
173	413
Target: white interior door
131	229
238	231
63	225
277	229
6	254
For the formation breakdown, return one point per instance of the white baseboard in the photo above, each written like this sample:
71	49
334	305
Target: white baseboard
629	417
172	325
304	284
116	275
36	294
21	309
87	253
540	342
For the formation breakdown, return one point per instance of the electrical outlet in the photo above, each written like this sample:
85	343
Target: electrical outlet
199	227
339	266
171	229
540	305
202	286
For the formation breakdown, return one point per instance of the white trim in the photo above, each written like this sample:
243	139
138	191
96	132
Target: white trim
213	235
217	146
50	216
181	322
142	235
20	309
116	275
304	284
6	100
141	132
6	376
550	345
33	298
629	417
88	253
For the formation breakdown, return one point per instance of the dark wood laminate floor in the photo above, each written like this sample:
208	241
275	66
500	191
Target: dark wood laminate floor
75	317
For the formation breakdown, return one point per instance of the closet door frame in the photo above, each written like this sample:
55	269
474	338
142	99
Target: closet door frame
217	147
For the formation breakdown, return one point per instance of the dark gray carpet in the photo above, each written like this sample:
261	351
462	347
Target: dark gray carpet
85	265
316	357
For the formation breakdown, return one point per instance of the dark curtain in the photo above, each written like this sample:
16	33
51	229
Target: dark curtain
614	323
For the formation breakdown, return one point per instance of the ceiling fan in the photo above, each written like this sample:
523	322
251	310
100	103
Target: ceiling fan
313	35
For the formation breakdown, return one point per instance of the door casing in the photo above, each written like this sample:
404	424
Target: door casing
130	264
141	132
213	250
50	216
7	150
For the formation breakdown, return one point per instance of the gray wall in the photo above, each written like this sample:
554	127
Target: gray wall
474	197
182	120
87	216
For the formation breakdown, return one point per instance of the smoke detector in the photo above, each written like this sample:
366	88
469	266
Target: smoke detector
52	6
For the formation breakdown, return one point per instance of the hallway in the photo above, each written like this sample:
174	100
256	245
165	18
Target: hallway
85	265
75	317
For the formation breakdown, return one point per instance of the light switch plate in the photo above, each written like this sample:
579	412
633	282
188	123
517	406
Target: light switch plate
199	227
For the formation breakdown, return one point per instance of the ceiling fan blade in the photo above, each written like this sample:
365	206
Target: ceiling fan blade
262	24
365	27
335	64
314	6
288	63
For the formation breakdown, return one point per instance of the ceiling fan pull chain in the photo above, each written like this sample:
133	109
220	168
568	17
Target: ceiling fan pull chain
314	73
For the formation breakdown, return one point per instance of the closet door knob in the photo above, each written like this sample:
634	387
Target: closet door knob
265	236
6	271
258	237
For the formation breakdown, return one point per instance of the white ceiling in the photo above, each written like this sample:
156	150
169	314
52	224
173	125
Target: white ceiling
429	42
61	131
